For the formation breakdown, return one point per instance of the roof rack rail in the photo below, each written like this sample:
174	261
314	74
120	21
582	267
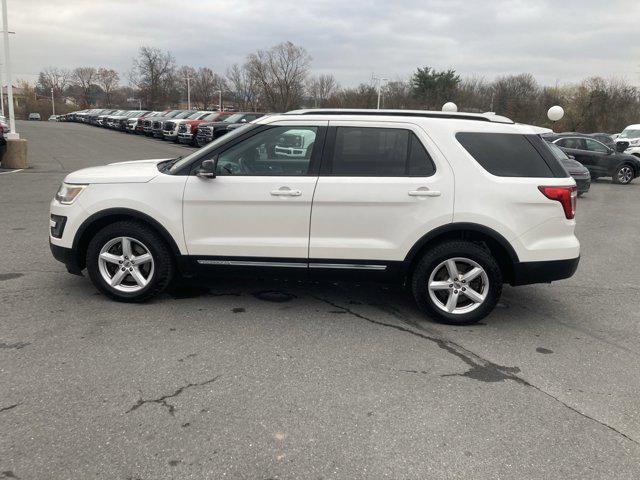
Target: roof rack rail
482	117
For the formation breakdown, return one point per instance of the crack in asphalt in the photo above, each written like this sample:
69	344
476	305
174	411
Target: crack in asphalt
163	399
16	345
480	368
10	407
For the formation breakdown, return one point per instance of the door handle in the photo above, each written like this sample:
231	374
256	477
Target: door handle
286	192
424	193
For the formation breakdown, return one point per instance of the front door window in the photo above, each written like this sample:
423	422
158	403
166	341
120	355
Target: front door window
278	151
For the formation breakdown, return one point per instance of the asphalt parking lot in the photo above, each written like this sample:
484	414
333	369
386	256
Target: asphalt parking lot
271	379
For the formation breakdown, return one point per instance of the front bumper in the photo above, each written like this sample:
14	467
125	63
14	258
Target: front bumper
185	137
526	273
170	134
66	256
202	140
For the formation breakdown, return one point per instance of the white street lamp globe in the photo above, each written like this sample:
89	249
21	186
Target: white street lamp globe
555	113
449	107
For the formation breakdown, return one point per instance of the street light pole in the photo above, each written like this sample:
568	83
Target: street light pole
1	92
380	80
7	65
53	103
188	79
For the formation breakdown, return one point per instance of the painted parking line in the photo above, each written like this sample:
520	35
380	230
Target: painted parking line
12	171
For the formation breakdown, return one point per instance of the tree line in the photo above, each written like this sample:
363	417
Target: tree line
279	78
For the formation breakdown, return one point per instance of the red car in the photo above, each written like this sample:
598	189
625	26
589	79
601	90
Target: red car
188	130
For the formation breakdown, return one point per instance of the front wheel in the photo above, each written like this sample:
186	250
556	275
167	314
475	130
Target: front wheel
129	262
623	175
457	283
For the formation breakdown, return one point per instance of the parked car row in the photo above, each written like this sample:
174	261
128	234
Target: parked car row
599	154
193	127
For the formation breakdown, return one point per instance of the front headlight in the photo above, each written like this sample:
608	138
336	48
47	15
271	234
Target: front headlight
634	143
68	192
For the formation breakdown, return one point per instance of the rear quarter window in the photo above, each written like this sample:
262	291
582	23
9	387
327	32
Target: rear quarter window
511	155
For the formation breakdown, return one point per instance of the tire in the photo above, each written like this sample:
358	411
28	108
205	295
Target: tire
623	175
153	275
433	269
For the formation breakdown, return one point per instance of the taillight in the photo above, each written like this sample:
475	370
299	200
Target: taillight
567	196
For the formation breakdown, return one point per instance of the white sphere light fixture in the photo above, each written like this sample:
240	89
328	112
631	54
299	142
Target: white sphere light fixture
449	107
555	113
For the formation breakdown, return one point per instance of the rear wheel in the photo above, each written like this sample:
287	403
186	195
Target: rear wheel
457	283
129	262
623	175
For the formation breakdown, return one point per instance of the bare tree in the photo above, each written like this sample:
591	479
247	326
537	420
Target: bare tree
53	77
206	87
320	88
107	79
516	96
280	72
244	87
397	94
362	96
85	78
153	74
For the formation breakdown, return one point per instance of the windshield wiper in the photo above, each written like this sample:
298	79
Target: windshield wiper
167	164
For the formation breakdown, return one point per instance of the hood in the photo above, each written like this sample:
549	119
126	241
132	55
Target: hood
139	171
216	124
628	158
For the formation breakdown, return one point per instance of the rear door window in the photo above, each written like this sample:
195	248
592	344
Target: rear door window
379	152
510	155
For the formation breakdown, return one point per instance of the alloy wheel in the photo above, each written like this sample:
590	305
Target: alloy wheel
625	174
126	264
458	285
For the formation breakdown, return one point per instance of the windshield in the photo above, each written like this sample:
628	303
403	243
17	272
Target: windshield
172	114
212	116
234	118
557	151
183	115
196	116
211	146
629	133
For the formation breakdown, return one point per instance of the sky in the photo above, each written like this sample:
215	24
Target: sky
557	41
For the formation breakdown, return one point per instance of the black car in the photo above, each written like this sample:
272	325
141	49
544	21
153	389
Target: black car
208	132
600	160
579	172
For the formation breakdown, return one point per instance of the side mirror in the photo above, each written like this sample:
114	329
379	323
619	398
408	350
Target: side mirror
611	151
208	168
571	157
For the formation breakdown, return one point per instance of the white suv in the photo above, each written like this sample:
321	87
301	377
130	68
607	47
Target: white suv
629	140
454	205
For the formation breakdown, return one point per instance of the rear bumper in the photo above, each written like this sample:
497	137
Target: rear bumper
583	184
66	256
526	273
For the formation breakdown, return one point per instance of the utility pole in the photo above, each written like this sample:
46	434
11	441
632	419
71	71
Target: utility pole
220	100
53	103
7	65
188	79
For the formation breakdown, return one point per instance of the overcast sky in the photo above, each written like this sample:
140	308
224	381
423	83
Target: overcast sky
561	40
